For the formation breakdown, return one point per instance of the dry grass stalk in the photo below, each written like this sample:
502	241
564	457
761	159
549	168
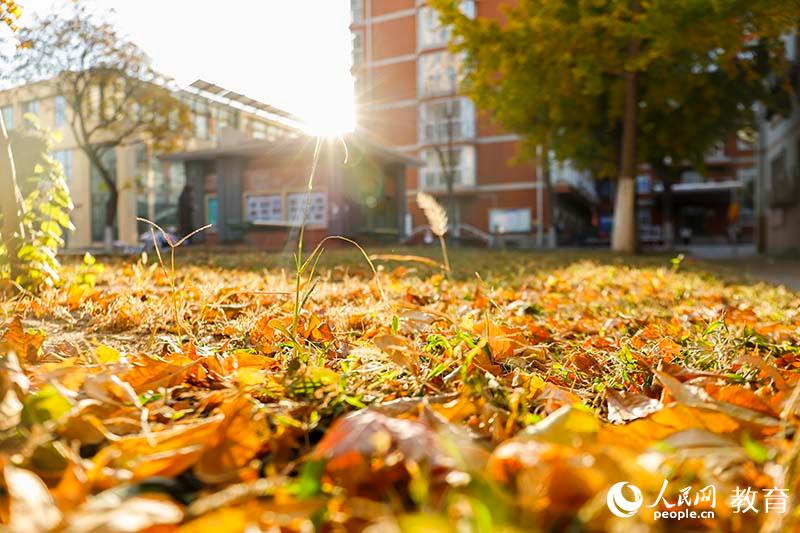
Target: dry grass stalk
437	218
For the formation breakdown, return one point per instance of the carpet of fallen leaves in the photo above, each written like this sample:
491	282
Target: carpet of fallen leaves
145	400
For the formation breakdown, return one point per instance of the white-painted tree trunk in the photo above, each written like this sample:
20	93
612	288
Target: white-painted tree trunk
623	236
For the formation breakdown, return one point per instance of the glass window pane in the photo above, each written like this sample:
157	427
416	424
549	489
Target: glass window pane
59	111
211	210
65	158
8	116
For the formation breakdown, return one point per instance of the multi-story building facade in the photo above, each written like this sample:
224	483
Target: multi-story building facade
778	194
406	98
148	187
713	205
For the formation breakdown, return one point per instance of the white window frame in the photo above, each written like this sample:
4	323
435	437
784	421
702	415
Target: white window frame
356	11
441	119
510	220
262	200
430	34
59	111
438	73
432	175
358	48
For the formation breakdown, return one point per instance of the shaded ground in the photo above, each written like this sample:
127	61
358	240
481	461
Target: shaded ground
511	399
735	266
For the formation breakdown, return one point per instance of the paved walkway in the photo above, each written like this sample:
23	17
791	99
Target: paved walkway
744	259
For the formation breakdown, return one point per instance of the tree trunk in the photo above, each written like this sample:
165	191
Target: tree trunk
113	196
624	234
551	211
10	197
452	209
668	214
111	217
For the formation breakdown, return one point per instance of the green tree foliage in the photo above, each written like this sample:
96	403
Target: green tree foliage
554	72
113	94
46	208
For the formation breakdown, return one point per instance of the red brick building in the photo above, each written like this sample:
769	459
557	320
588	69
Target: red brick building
406	99
709	204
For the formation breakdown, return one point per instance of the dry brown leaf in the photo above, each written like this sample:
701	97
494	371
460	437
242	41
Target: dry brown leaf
108	512
25	345
697	397
367	448
240	436
399	350
32	507
161	453
626	407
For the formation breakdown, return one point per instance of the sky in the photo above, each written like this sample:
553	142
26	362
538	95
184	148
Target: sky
292	54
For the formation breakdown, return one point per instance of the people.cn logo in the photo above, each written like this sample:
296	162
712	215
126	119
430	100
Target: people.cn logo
619	504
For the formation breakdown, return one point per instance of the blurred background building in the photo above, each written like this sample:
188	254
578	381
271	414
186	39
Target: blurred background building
148	187
406	98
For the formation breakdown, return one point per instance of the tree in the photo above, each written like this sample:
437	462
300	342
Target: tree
688	113
11	203
583	76
443	144
113	94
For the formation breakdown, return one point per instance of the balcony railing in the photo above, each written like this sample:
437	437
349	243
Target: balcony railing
564	173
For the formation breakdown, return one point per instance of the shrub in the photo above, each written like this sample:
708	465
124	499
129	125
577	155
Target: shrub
47	205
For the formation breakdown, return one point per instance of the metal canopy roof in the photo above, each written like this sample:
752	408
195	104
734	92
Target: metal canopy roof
221	92
207	87
291	146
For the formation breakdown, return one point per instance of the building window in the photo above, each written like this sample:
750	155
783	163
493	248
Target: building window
447	120
358	49
690	176
31	107
356	11
274	133
430	32
99	194
643	184
211	211
201	126
438	73
510	220
265	208
8	116
65	158
459	160
644	217
717	152
262	130
317	208
226	118
59	111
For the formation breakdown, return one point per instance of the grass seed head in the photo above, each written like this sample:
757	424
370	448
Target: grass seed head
434	212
